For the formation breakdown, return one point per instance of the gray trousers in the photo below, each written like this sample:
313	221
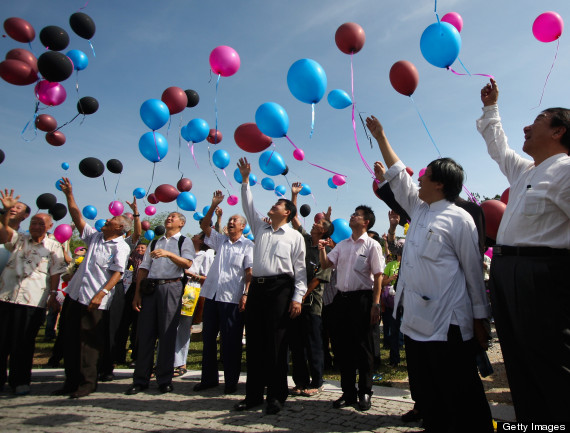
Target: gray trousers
158	318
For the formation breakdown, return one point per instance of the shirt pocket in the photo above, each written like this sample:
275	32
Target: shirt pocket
534	202
282	250
103	261
423	311
361	265
43	266
237	260
432	246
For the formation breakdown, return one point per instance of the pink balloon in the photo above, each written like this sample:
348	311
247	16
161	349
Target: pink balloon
338	180
63	232
150	210
232	200
318	217
454	19
298	154
50	93
548	27
224	61
116	208
421	173
489	253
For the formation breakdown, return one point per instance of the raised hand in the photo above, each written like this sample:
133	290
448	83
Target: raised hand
374	126
8	199
296	187
217	198
244	169
490	93
379	171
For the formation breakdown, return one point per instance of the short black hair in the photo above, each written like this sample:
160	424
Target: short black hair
450	174
28	209
290	207
368	215
561	117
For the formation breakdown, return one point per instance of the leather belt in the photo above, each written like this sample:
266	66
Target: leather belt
271	279
505	250
172	280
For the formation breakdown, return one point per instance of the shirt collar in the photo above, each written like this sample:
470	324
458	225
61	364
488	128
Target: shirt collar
361	238
176	236
439	205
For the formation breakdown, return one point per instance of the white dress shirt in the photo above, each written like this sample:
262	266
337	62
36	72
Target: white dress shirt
102	259
275	252
226	279
356	263
538	212
442	271
162	268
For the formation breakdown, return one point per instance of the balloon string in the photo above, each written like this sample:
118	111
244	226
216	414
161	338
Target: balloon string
179	148
28	124
67	123
117	186
92	48
156	145
425	126
152	179
310	163
169	123
77	84
365	130
435	11
549	72
193	156
314	199
216	107
471	196
480	75
464	66
312	120
214	171
84	6
227	178
104	184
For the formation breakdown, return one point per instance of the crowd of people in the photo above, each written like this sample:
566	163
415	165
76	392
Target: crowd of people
294	291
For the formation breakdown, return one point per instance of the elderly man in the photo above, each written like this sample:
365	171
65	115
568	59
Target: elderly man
18	213
226	290
90	292
274	297
529	285
32	271
158	298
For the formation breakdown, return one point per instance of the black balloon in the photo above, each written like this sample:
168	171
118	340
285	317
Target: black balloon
54	38
193	97
55	66
87	105
115	166
285	171
82	25
305	210
159	230
46	201
2	156
91	167
58	211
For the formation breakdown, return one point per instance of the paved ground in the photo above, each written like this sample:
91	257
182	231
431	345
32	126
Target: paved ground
109	411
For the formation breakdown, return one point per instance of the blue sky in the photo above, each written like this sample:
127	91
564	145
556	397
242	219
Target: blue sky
146	46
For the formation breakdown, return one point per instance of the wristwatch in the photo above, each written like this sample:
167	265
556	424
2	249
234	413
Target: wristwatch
106	291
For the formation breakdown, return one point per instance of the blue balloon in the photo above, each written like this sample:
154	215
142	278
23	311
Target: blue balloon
246	229
237	176
65	165
198	216
268	184
271	163
90	212
154	113
78	58
197	130
306	190
205	210
221	158
341	231
440	44
307	81
339	99
280	190
186	201
331	183
149	235
252	179
184	133
139	193
57	184
151	149
99	224
250	237
272	119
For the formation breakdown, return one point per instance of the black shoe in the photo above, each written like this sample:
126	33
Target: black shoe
203	386
344	401
411	416
165	388
62	391
80	393
135	389
246	405
364	402
106	377
273	407
230	389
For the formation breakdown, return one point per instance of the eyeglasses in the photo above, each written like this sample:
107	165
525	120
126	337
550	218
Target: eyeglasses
355	215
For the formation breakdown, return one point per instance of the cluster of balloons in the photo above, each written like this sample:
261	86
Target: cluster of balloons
93	167
49	202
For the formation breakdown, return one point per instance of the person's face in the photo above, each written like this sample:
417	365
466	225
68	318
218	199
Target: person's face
318	229
39	225
140	249
428	188
278	210
537	134
81	251
198	240
113	225
173	221
235	225
18	212
357	220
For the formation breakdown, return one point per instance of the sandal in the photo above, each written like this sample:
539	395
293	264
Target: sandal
310	392
179	371
296	391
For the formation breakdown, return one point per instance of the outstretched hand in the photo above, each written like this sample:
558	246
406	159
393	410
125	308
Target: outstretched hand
379	171
65	186
217	198
374	126
490	93
296	187
8	199
244	169
133	205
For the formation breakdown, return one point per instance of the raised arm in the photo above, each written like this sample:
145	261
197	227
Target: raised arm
137	226
74	211
296	187
247	198
8	201
490	93
206	223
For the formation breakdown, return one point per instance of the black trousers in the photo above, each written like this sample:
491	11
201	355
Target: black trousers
127	328
353	335
266	322
57	350
306	344
86	333
530	297
447	384
108	357
19	326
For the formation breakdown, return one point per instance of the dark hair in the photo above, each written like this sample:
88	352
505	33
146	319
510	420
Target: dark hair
450	174
561	117
203	247
374	235
290	207
28	209
368	215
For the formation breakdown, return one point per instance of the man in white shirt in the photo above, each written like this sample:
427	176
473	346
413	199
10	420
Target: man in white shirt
529	285
226	291
90	292
355	309
275	295
442	293
159	301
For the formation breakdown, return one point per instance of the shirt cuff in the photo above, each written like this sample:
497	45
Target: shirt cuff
394	171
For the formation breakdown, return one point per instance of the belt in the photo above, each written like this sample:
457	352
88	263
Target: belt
271	279
172	280
505	250
346	294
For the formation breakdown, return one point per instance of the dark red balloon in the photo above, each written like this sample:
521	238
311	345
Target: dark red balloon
17	72
19	29
175	99
409	171
505	196
248	137
318	217
129	215
404	77
375	189
350	38
24	56
45	122
152	199
166	193
493	211
214	136
184	184
145	225
55	138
